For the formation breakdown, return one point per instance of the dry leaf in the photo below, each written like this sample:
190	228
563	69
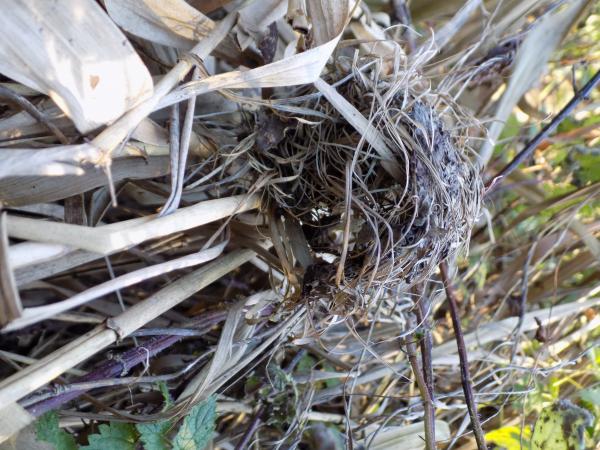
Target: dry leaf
169	22
93	77
121	235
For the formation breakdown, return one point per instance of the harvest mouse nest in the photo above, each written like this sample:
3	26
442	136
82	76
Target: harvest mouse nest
374	229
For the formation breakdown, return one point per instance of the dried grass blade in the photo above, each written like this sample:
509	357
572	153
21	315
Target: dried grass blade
119	236
10	302
13	417
453	26
172	22
93	77
28	190
115	134
63	160
328	18
37	314
406	437
298	69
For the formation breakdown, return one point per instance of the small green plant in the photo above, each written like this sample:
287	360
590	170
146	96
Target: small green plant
194	433
47	430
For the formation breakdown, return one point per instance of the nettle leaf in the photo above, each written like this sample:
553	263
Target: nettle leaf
198	426
154	435
114	436
47	430
562	426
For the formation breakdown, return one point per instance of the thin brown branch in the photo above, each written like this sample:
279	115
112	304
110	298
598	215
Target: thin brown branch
252	427
541	136
30	109
429	417
464	360
426	344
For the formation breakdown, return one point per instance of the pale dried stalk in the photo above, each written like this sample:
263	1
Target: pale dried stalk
453	26
119	236
31	378
10	301
13	417
39	313
179	161
47	268
18	191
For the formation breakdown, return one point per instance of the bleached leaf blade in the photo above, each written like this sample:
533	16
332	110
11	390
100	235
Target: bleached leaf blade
301	68
93	77
62	160
328	17
169	22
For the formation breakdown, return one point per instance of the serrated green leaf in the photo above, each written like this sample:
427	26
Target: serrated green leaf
115	436
562	426
47	430
198	426
154	435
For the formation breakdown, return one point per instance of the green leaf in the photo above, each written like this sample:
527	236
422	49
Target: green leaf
591	396
47	430
509	438
306	364
115	436
562	426
154	435
589	168
198	426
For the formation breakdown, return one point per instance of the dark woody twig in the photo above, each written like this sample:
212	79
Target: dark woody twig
119	366
537	140
429	419
30	109
426	344
464	361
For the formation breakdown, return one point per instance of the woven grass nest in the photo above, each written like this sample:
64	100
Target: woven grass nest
364	227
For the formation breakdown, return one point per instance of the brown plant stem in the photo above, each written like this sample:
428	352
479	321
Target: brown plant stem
429	416
426	344
252	427
539	138
467	383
